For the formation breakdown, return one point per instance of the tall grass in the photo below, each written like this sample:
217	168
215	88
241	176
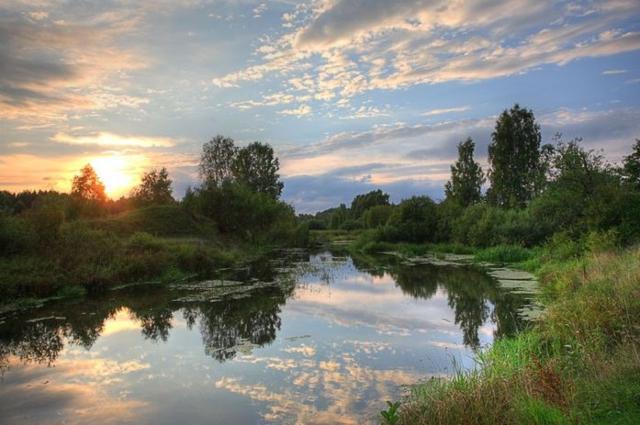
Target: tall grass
504	254
579	364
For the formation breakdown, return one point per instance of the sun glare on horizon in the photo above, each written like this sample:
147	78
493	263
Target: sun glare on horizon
117	173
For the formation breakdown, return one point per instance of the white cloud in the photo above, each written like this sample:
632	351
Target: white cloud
343	48
445	111
298	112
114	140
614	71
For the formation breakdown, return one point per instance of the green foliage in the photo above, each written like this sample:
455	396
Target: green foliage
350	224
16	236
155	188
631	167
46	219
466	177
538	412
377	216
256	167
239	211
504	254
514	157
362	203
158	220
216	161
338	217
413	220
580	364
390	416
483	225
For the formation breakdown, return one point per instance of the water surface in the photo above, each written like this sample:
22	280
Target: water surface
300	339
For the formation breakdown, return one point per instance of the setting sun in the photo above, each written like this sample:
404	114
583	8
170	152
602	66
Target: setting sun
118	173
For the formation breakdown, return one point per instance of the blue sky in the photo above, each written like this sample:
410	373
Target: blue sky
353	95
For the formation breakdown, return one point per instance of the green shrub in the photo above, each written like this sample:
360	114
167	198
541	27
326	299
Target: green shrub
16	236
142	241
350	224
504	254
413	220
377	216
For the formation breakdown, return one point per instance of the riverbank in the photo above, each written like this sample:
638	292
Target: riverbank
157	244
579	364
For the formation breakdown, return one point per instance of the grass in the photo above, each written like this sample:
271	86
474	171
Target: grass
86	259
505	254
579	364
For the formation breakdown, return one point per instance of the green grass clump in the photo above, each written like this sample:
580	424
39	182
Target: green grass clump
504	254
579	364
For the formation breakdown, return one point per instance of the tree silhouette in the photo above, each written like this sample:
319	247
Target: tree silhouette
88	185
631	167
216	161
466	176
514	155
257	167
155	188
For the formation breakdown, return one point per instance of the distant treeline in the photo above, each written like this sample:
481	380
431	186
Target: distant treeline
553	193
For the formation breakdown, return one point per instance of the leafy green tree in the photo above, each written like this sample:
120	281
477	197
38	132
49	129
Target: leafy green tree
88	186
580	190
338	217
257	167
216	161
631	167
361	203
377	216
466	177
514	157
155	188
413	220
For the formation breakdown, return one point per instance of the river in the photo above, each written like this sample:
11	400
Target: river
301	338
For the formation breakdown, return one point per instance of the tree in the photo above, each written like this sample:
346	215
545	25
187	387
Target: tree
88	185
466	177
514	157
413	220
338	216
361	203
580	192
217	160
257	167
155	188
377	216
631	167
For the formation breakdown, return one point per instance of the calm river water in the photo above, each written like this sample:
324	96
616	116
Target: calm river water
306	338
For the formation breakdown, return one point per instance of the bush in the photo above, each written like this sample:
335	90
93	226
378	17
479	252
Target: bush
350	224
243	213
377	216
504	254
157	220
413	220
16	236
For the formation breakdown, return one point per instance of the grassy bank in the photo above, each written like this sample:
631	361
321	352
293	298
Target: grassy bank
580	364
155	244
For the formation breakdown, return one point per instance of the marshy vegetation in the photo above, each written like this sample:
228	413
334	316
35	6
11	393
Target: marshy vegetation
50	241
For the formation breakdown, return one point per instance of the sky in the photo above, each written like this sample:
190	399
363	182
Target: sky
353	95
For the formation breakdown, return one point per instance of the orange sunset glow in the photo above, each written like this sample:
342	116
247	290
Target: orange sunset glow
119	173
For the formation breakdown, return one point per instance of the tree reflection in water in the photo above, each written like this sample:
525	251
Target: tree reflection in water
233	324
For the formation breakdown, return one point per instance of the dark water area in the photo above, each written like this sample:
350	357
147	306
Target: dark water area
303	338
